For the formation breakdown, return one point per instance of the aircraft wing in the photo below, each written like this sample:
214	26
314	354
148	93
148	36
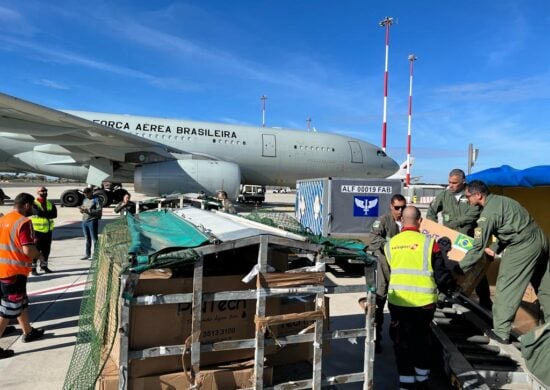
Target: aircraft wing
80	141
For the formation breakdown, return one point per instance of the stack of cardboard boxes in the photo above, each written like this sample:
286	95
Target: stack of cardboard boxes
161	325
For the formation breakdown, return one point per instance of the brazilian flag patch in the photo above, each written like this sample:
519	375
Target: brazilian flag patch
463	242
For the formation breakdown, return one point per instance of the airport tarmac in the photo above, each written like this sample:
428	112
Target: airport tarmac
55	303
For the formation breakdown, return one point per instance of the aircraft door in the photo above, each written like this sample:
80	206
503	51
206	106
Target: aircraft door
356	153
269	144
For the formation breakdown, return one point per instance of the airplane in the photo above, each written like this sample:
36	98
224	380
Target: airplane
401	174
163	156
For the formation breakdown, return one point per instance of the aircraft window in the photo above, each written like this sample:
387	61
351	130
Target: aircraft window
295	147
334	150
301	147
238	142
381	153
318	148
188	138
244	142
226	142
232	142
214	141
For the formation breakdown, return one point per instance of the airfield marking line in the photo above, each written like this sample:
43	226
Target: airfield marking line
65	286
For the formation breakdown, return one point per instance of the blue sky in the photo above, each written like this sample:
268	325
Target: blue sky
482	76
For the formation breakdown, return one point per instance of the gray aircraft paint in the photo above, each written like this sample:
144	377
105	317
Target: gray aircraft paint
46	141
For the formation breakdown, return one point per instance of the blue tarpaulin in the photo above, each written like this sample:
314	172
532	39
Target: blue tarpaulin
506	176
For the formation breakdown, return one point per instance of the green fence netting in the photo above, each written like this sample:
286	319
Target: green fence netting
334	247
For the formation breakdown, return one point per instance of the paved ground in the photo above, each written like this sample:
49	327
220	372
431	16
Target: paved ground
55	302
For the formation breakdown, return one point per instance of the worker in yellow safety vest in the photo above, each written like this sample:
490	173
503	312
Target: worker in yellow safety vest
44	212
417	270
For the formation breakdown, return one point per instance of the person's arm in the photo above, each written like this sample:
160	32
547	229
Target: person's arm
443	276
53	213
32	252
26	237
469	217
435	207
119	207
482	236
376	238
97	209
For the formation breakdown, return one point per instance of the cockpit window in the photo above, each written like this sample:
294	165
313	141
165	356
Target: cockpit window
381	153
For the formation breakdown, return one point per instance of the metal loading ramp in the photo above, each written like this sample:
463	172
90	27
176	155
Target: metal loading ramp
222	248
471	359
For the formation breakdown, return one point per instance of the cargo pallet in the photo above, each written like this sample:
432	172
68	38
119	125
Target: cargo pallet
471	359
262	291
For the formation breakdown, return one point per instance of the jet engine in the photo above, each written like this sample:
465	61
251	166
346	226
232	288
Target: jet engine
188	176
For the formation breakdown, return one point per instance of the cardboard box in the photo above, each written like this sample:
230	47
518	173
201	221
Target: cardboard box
215	378
461	243
170	324
294	353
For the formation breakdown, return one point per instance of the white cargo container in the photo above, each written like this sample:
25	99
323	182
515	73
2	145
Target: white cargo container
343	207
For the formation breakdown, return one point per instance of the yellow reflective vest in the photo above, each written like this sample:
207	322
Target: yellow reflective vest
42	224
412	283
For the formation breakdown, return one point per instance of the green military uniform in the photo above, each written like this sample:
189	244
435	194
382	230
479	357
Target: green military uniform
524	260
458	214
381	231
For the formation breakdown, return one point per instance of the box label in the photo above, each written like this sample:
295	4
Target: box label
358	189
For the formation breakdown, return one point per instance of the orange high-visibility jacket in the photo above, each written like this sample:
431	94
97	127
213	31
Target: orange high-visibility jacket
13	261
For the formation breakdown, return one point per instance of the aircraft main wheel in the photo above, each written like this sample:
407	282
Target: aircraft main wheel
71	198
103	197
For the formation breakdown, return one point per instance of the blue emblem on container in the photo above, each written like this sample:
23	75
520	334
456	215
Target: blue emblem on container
365	206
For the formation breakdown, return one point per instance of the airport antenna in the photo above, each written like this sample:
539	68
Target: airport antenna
387	22
412	58
308	120
263	99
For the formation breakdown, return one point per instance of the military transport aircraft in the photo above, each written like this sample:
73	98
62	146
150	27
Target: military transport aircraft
162	156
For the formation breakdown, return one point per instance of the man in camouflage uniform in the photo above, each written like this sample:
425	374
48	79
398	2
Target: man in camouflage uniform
459	215
381	231
524	248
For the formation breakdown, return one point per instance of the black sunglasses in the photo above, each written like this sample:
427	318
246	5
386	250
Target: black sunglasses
399	207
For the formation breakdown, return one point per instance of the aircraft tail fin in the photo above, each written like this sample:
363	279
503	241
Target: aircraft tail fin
401	174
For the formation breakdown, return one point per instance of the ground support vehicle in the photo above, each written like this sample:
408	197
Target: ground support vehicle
251	193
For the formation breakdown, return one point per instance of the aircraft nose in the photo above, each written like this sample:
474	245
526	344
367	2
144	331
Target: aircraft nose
390	166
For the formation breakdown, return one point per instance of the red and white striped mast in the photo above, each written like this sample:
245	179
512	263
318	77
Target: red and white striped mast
412	58
387	22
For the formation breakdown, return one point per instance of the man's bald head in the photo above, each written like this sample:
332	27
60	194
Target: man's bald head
411	216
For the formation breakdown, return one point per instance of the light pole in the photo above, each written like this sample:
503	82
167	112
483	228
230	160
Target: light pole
263	99
387	22
412	58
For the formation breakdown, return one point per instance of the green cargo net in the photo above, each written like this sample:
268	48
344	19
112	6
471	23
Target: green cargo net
333	247
162	240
